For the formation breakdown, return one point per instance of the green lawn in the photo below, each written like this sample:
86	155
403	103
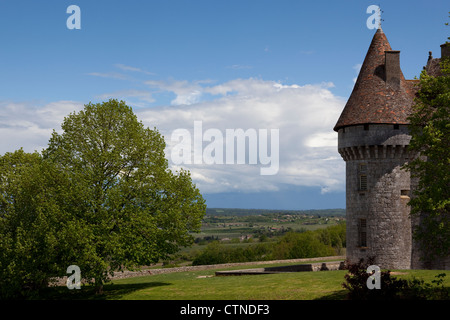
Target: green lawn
195	286
203	285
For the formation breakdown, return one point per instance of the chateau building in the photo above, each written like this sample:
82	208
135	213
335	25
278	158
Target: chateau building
373	140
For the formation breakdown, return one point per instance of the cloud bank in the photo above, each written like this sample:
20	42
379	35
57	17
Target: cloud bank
303	115
29	126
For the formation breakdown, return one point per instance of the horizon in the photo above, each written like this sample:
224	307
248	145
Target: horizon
286	68
276	209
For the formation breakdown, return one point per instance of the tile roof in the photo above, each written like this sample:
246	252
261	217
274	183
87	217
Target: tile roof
373	99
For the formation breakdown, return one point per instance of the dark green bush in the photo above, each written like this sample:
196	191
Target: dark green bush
301	245
356	283
391	287
216	253
293	245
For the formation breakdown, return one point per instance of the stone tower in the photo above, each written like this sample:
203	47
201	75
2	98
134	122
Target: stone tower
373	140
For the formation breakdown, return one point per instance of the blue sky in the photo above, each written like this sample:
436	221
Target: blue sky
288	65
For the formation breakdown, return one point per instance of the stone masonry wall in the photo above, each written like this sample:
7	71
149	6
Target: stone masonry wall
383	203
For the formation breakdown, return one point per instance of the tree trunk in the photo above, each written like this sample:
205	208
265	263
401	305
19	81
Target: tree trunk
98	285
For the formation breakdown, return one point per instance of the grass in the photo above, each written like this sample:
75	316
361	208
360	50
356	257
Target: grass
197	286
203	285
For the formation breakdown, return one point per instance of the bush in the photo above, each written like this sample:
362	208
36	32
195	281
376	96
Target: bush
356	283
301	245
293	245
333	236
216	253
419	289
391	287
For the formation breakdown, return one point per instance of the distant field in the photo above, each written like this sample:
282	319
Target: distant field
241	227
249	212
235	223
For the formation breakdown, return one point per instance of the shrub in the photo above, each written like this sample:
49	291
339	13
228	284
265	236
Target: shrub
216	253
295	245
419	289
356	283
333	236
391	287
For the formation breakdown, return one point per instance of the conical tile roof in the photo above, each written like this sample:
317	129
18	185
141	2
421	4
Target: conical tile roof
373	100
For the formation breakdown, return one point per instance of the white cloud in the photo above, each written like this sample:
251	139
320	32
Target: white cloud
304	115
133	69
321	139
186	92
29	126
135	98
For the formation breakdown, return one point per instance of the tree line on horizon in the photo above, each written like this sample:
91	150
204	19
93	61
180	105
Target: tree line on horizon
248	212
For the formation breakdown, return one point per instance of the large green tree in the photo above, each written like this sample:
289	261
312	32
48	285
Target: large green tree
138	210
430	131
101	196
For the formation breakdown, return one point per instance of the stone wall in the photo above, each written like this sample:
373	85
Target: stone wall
373	135
379	210
319	266
147	271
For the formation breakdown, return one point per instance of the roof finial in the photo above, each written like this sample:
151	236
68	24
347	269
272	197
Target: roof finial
379	17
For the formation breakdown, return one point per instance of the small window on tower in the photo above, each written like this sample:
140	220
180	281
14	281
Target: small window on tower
362	233
363	177
363	182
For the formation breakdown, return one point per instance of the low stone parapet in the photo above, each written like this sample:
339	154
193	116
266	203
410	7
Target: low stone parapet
320	266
